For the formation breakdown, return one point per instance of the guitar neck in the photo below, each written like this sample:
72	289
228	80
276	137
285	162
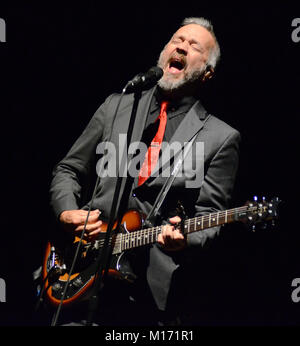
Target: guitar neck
149	235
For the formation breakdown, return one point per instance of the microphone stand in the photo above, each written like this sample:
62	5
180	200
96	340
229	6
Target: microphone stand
103	257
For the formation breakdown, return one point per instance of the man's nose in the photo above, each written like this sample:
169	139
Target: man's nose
182	48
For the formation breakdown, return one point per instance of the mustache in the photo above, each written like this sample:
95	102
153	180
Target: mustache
178	59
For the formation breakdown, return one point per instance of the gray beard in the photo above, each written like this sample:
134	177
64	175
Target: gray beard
191	80
189	85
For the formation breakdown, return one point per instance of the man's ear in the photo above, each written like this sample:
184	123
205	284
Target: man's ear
208	74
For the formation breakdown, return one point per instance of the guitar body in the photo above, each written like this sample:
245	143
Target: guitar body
57	264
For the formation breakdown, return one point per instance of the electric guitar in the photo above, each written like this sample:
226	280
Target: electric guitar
57	262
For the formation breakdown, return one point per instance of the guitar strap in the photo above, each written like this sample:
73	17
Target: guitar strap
169	181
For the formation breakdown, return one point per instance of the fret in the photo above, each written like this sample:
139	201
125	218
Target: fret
198	222
214	219
226	216
128	241
158	230
120	236
146	237
125	242
209	220
142	235
202	220
121	243
218	217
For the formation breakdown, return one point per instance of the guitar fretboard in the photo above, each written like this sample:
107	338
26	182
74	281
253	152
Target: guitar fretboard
149	235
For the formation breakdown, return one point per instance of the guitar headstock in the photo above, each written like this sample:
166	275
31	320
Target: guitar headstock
261	212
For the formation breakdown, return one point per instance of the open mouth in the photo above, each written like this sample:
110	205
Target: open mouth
176	65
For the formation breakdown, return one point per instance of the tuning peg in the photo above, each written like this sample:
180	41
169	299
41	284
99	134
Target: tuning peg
255	198
253	228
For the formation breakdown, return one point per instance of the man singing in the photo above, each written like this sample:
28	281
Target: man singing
172	111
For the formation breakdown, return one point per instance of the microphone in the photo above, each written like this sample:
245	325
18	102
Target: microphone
144	81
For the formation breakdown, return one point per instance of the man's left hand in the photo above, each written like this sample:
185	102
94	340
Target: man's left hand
170	237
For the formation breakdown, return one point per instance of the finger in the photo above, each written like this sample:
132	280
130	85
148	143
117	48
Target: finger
177	235
160	239
167	235
175	219
167	230
95	232
89	227
92	212
93	218
82	219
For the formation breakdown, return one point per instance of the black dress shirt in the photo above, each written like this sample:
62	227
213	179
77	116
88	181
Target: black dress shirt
176	111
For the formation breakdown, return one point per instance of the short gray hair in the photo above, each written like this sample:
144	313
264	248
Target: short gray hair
215	53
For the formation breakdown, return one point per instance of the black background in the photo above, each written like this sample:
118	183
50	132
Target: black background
61	60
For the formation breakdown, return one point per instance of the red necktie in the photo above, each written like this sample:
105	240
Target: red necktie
152	154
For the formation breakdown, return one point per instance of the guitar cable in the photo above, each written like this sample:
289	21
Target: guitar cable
57	313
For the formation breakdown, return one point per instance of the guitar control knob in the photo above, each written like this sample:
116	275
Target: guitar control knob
78	282
56	287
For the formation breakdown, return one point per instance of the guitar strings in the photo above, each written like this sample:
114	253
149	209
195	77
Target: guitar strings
153	231
192	222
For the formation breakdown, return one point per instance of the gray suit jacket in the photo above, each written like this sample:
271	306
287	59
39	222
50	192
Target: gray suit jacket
210	188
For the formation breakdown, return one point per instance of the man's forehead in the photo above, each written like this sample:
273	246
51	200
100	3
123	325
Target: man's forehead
196	32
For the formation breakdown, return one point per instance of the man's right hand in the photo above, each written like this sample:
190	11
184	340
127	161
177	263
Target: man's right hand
74	220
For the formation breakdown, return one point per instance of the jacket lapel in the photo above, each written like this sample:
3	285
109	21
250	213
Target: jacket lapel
190	125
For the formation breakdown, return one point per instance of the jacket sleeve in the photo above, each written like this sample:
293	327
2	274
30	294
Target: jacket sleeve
217	187
71	173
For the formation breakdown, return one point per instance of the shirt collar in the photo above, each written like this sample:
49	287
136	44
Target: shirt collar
175	107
